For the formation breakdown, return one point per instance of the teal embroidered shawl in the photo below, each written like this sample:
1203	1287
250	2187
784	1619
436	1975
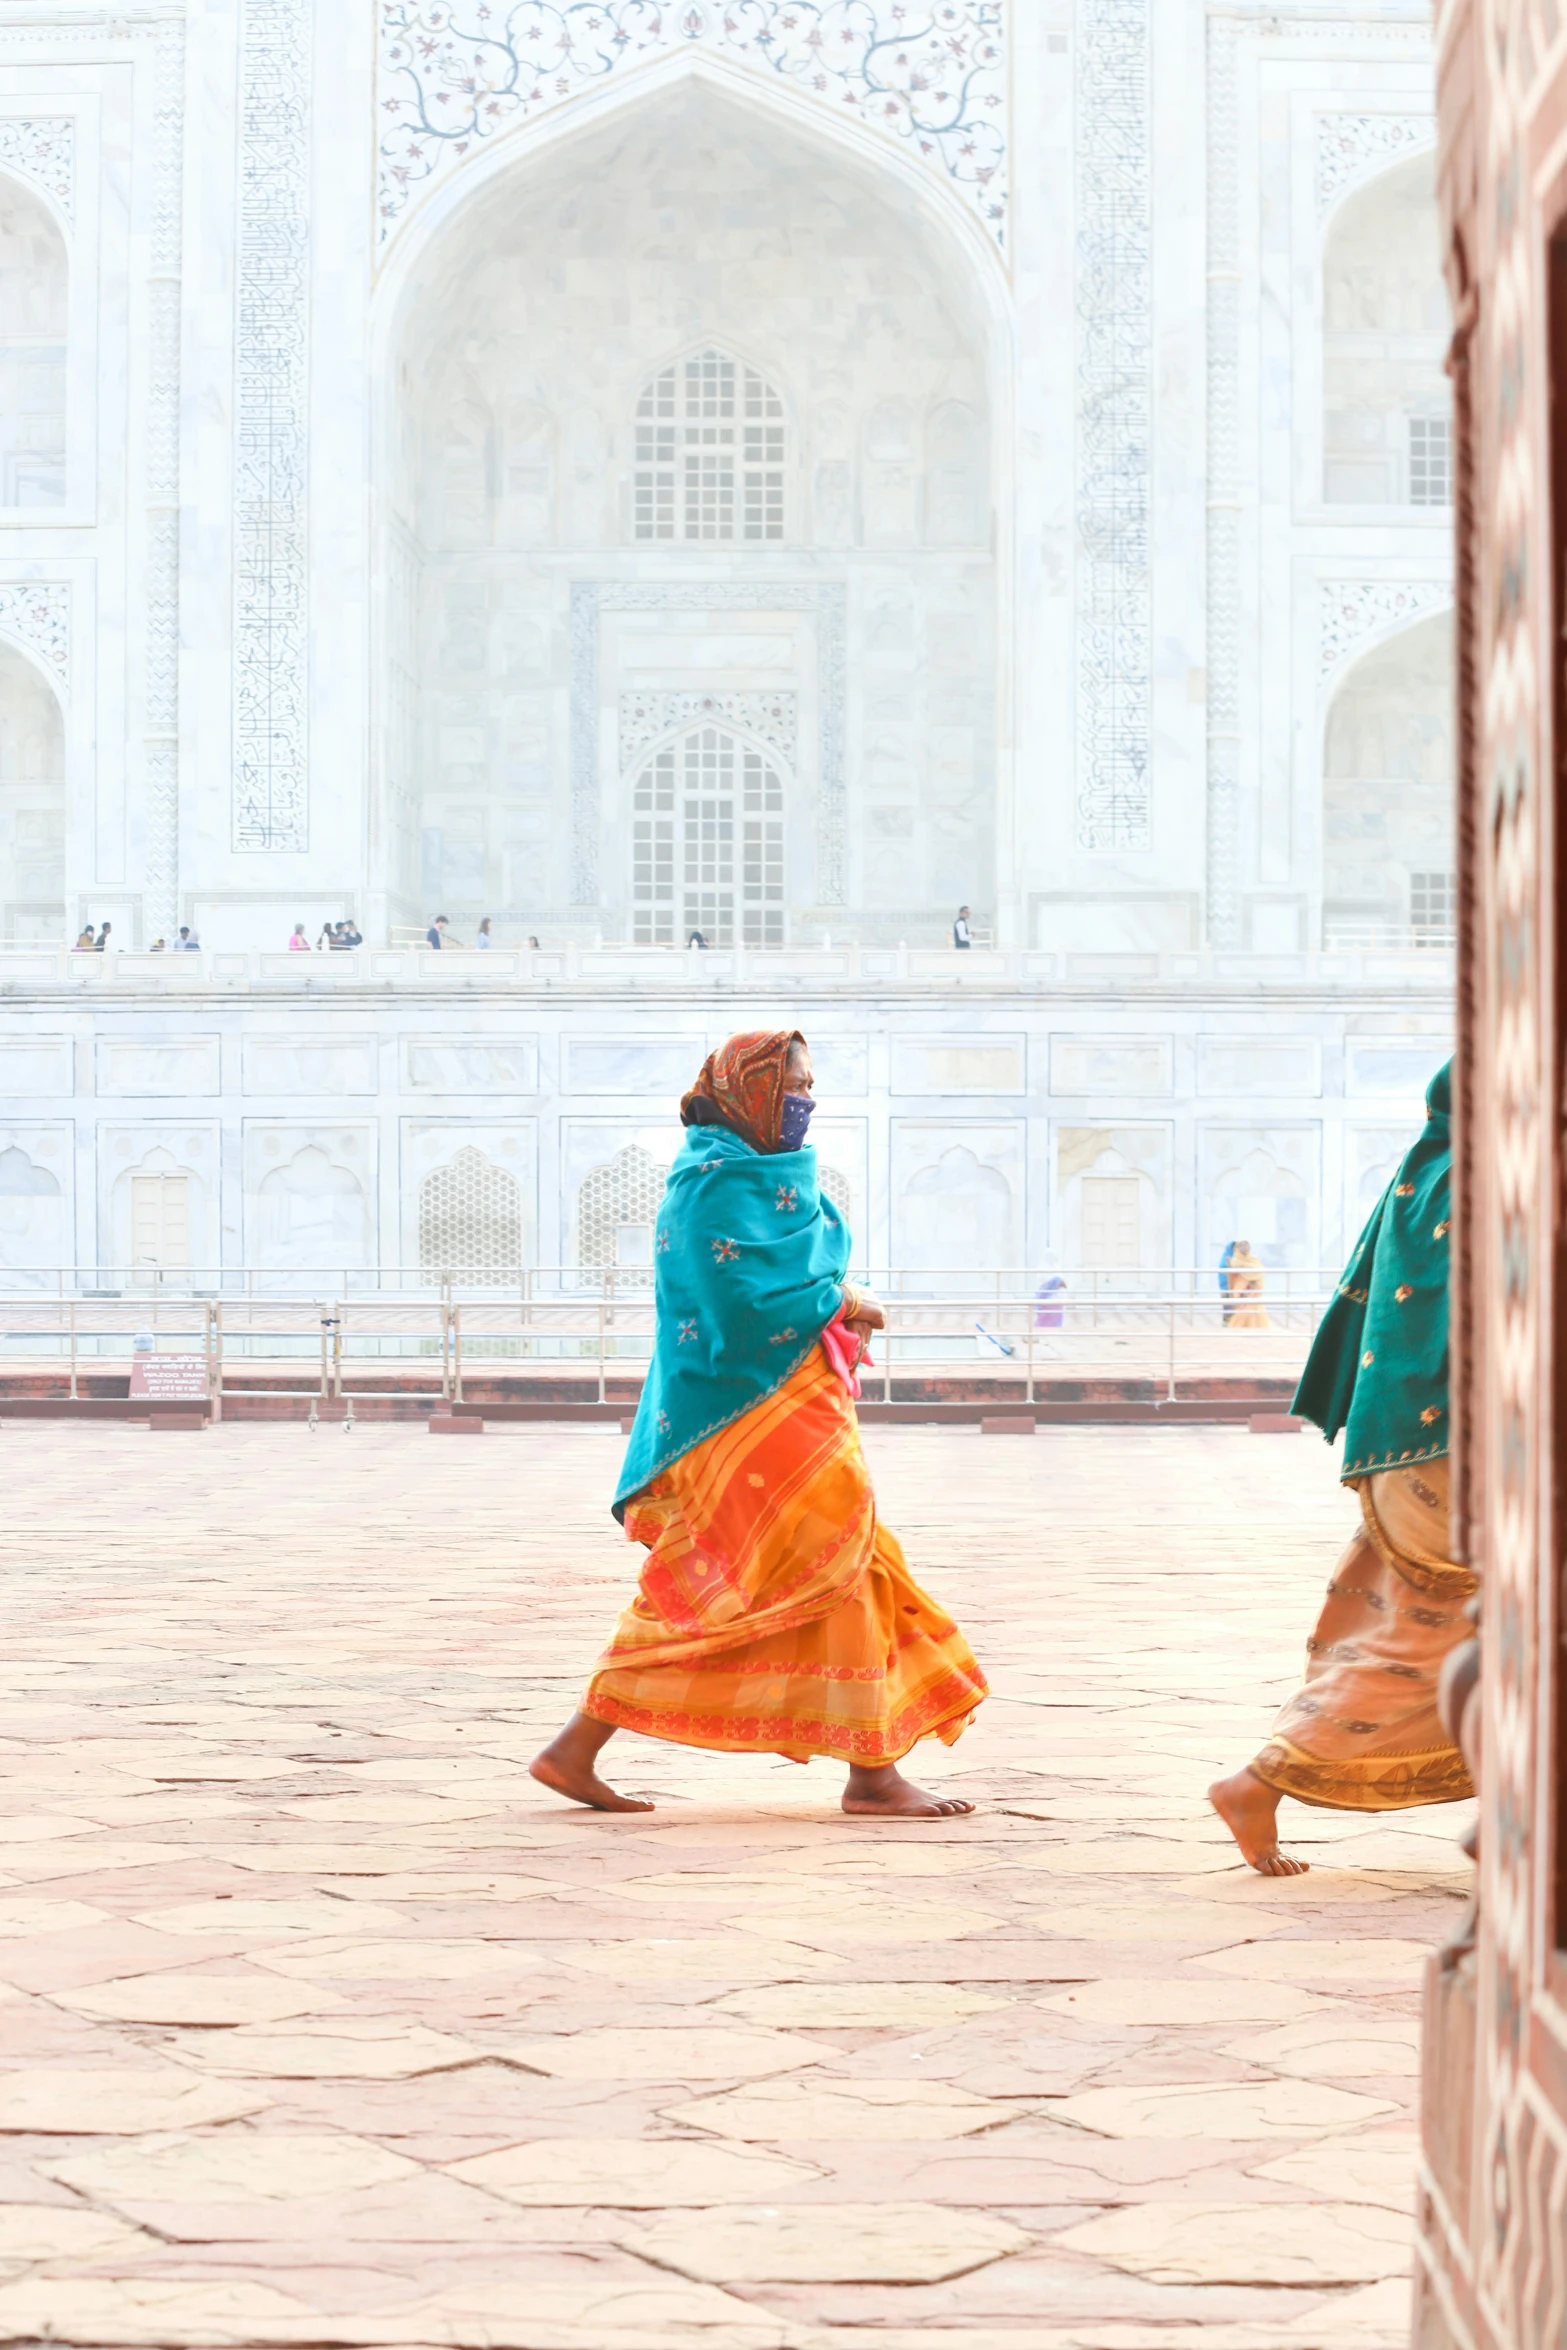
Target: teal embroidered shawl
748	1266
1378	1367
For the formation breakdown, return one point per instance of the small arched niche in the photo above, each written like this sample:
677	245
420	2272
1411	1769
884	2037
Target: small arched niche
34	291
32	803
1387	793
1386	437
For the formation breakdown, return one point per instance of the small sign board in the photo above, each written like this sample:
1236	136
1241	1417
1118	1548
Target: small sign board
170	1378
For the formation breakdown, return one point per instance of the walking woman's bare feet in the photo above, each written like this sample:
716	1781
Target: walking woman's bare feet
1249	1808
885	1793
566	1766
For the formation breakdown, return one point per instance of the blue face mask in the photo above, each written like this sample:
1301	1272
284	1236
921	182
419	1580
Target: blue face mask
796	1116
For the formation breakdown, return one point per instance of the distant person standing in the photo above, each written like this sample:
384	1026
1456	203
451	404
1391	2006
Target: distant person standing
102	939
187	943
350	935
961	935
1225	1307
85	942
157	947
1246	1277
532	940
696	940
299	944
435	936
484	939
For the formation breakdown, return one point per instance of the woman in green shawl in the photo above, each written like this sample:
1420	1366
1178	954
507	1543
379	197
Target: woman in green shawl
1362	1733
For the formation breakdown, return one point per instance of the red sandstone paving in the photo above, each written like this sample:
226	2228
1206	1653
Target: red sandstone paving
261	1647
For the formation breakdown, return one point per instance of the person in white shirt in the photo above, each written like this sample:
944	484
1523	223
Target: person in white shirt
960	929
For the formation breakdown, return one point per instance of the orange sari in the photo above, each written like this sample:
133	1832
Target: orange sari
773	1613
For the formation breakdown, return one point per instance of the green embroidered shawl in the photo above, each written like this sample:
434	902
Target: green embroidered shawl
1378	1367
749	1257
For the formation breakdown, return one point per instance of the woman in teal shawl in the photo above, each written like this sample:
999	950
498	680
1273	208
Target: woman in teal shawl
774	1612
1362	1733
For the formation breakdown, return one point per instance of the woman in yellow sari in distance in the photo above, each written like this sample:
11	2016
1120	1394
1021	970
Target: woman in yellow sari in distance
774	1613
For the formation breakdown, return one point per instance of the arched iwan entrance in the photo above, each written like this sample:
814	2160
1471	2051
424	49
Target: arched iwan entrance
691	428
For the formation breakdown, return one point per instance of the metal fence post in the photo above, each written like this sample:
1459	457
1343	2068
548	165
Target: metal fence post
73	1350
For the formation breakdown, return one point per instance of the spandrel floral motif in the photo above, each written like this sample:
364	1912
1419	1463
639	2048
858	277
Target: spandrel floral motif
454	74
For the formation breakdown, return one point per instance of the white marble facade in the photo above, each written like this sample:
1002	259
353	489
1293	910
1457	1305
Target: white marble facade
434	1118
627	467
622	467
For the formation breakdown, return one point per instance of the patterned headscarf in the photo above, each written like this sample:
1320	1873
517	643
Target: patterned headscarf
741	1086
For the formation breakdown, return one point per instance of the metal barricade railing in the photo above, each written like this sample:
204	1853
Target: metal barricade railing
596	1323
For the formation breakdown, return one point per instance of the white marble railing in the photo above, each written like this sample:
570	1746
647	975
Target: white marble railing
24	970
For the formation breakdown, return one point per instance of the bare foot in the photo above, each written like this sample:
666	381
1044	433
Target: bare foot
886	1793
1249	1808
566	1765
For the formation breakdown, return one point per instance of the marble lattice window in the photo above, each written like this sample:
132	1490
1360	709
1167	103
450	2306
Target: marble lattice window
708	844
470	1221
709	453
616	1208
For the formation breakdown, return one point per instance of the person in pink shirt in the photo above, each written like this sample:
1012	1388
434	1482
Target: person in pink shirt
299	944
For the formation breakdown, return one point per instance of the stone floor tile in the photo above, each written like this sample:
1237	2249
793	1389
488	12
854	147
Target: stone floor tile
1189	2243
1364	2168
908	2005
345	2048
893	2243
61	2231
50	2101
1372	1964
634	2173
829	2110
231	2169
712	2052
192	1997
1260	2109
956	1998
1182	2000
1339	2046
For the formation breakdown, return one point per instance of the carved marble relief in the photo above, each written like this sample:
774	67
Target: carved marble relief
42	149
452	75
1114	395
1352	147
38	616
271	651
1355	614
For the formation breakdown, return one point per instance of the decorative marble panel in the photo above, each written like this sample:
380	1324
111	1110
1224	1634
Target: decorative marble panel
1355	614
297	1065
646	718
37	1065
957	1195
595	1065
828	602
38	615
957	1064
35	1202
271	368
453	75
42	149
1354	147
309	1194
161	907
172	1066
1248	1065
1114	405
1260	1184
464	1065
1396	1065
1110	1066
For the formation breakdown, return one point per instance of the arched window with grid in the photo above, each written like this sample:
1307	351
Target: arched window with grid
708	844
709	453
470	1221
